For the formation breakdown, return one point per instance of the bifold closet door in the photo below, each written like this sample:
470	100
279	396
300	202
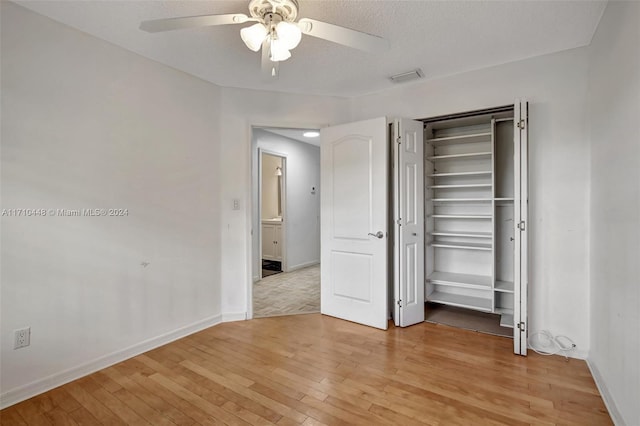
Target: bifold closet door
354	169
408	179
521	201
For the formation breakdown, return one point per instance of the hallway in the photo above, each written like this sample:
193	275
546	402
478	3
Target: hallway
288	293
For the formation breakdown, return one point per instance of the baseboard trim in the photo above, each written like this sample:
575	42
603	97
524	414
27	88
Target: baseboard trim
577	354
303	265
32	389
234	316
616	416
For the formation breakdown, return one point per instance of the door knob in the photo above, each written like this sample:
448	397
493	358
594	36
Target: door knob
378	234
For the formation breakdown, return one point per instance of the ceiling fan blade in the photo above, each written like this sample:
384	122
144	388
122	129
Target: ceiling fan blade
342	35
270	69
171	24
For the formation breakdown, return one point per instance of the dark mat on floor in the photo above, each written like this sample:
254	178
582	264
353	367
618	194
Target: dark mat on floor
272	265
466	318
267	272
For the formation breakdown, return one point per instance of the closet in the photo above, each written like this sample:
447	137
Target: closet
432	210
473	180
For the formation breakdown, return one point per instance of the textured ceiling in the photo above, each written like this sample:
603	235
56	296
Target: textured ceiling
441	37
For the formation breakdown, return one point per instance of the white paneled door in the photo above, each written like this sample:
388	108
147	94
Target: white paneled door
408	178
354	195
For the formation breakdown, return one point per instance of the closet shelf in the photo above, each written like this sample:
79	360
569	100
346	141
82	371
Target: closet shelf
480	282
506	320
459	200
465	246
504	286
461	216
479	173
470	185
475	137
467	155
503	199
461	301
461	234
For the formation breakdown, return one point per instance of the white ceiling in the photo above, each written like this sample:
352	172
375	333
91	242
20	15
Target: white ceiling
295	134
441	37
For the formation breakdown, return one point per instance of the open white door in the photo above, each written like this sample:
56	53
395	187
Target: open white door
354	187
408	176
521	201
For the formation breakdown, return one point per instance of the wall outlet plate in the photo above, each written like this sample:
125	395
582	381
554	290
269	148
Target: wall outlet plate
22	338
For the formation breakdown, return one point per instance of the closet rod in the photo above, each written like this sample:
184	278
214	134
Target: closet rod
498	120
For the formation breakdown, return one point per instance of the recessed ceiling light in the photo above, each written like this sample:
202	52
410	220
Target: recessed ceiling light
311	134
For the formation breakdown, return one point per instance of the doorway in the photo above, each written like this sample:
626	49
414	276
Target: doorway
272	175
286	221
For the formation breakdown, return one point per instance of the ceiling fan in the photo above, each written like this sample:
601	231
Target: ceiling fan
275	31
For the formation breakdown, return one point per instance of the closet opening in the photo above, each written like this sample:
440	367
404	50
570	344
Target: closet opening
470	203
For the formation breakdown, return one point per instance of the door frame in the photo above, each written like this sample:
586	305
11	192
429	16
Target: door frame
520	108
283	200
249	218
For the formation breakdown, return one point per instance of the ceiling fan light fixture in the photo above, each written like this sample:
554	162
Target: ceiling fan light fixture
254	35
276	29
289	34
279	51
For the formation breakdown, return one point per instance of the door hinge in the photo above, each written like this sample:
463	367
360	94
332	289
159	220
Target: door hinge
399	222
400	303
521	225
399	140
521	326
520	124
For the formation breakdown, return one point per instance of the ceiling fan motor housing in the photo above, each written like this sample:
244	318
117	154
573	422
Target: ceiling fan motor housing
287	9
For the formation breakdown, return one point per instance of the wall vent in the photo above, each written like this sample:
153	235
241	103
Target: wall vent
407	76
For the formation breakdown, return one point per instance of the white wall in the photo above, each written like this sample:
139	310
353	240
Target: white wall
270	184
89	125
240	110
555	85
614	110
302	210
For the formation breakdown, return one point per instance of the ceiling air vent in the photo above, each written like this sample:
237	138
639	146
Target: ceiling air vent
407	76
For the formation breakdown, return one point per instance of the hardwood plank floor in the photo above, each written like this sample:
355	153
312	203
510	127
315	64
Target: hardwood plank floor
317	370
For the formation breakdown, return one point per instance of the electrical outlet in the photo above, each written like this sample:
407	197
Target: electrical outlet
236	204
22	338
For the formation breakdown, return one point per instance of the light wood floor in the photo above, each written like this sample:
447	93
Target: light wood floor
312	369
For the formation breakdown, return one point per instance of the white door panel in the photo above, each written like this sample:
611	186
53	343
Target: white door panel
351	278
409	222
354	164
352	187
